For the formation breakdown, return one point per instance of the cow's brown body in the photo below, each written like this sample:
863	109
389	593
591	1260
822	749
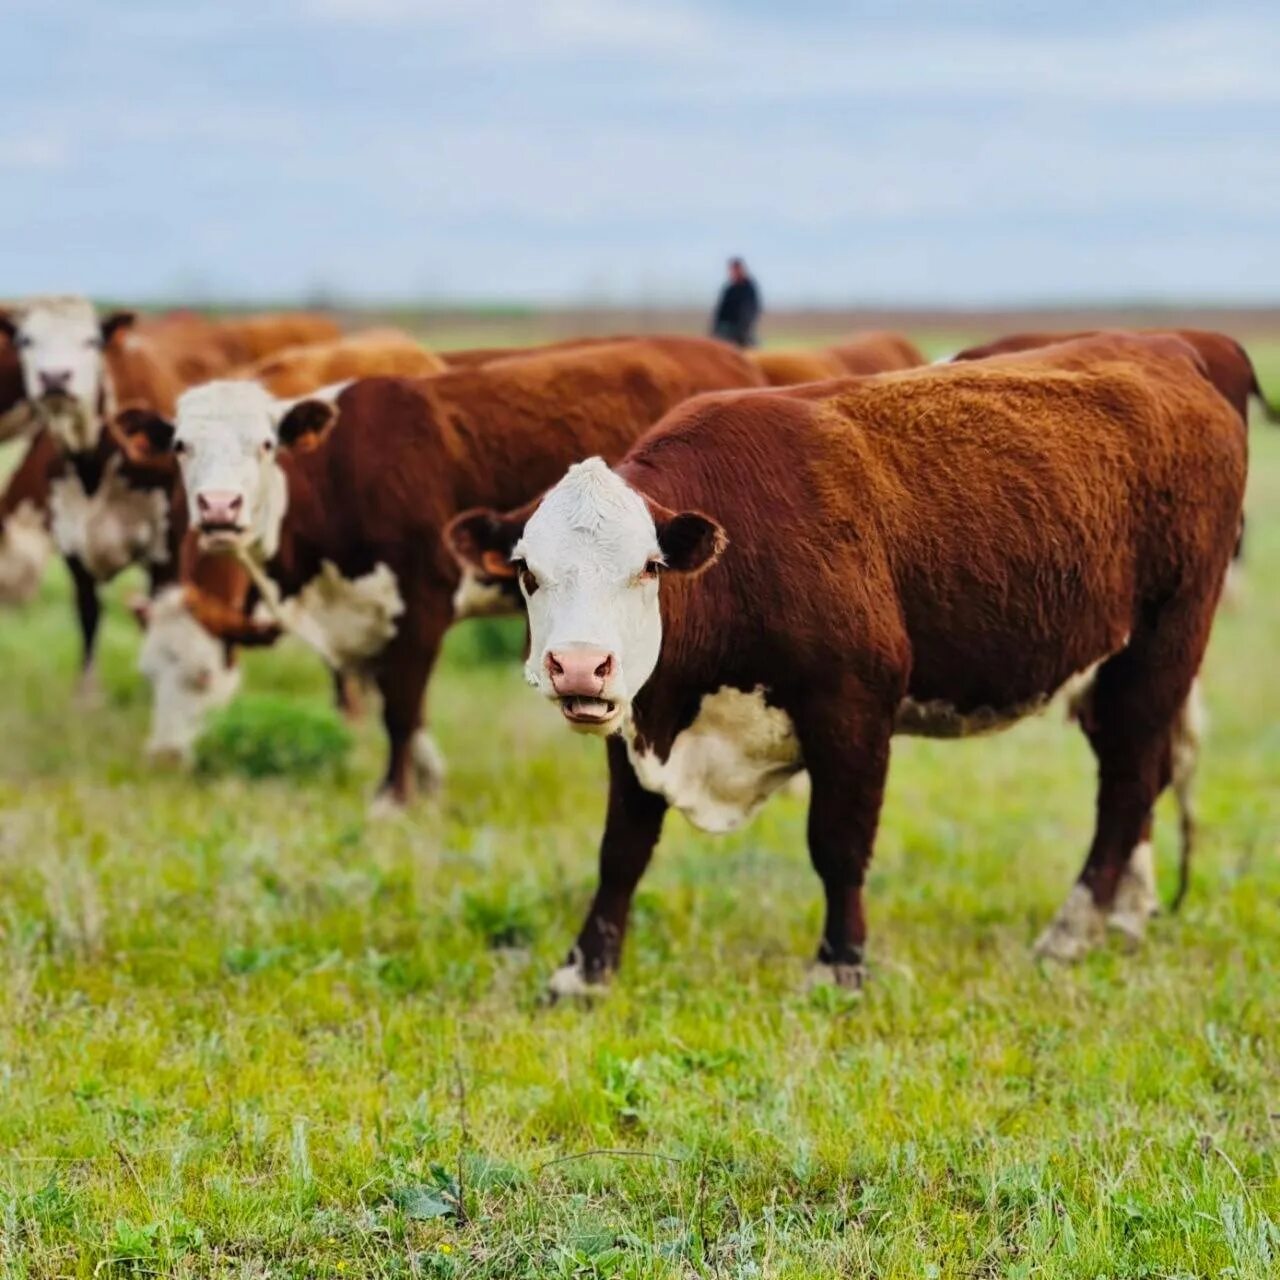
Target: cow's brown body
1226	362
863	354
406	455
298	370
244	339
930	552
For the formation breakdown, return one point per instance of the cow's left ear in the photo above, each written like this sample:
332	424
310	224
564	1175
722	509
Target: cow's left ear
690	542
146	434
482	540
116	322
8	326
306	423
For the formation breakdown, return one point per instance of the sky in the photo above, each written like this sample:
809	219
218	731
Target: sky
618	150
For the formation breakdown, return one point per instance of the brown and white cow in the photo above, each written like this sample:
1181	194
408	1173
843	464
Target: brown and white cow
344	503
779	580
866	353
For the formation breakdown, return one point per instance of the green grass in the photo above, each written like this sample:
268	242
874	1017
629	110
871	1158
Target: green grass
244	1031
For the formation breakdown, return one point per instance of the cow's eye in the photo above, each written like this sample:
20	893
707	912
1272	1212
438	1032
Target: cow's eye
179	447
527	579
22	341
94	344
268	446
652	568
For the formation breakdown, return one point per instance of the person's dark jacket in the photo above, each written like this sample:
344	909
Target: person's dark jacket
736	313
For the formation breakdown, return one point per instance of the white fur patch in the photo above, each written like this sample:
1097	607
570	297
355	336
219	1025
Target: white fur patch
939	719
475	598
189	674
25	547
351	620
1076	929
428	762
1135	901
112	528
727	763
569	982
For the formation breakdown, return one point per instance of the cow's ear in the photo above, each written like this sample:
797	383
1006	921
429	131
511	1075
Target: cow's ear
690	542
146	434
8	326
116	322
482	541
306	423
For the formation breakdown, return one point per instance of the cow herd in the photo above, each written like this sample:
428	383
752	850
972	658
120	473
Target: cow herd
735	567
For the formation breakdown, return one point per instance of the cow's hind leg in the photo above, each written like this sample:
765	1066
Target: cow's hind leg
1133	707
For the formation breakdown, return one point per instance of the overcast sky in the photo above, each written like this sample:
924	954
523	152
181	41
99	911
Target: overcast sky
619	149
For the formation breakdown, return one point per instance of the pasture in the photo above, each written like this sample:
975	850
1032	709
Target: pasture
245	1031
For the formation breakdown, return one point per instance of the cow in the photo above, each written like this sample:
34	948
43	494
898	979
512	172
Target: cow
343	503
863	354
1226	361
299	370
777	580
245	339
475	357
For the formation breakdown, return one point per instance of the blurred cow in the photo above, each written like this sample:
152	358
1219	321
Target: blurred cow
866	353
300	370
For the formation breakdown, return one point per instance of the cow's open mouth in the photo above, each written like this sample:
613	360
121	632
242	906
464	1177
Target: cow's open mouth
220	537
581	710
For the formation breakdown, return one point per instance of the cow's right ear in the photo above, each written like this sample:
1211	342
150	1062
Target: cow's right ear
8	326
306	423
146	435
482	541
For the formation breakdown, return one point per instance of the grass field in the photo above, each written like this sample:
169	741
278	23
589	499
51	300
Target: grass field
245	1032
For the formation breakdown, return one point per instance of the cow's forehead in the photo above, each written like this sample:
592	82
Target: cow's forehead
592	516
45	318
225	408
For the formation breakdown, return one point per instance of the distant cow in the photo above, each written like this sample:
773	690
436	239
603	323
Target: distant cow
1226	361
244	339
344	503
864	354
297	371
772	581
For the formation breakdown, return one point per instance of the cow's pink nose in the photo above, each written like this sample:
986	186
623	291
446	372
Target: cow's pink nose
219	508
579	673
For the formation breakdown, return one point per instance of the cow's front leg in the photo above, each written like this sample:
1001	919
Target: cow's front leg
631	831
89	613
846	750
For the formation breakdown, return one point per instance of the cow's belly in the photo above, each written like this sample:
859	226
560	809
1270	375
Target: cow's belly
348	620
727	763
938	718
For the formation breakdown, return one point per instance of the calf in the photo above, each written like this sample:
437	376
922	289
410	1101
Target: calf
344	503
772	581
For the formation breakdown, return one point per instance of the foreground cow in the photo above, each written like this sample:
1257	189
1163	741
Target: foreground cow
772	581
344	503
865	354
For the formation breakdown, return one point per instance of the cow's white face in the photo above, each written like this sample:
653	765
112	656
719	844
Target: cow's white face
189	673
226	435
589	561
588	564
59	344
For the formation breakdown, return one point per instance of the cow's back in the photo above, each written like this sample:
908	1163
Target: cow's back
875	352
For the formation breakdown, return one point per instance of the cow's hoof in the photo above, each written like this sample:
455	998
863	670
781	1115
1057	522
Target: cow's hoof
847	977
570	982
1076	929
386	806
1135	901
88	695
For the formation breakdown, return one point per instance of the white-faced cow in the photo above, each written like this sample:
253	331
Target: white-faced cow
778	580
344	503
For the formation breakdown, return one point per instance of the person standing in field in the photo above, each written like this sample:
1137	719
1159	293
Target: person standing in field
738	309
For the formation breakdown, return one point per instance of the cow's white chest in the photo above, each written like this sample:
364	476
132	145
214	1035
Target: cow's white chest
350	620
112	528
727	763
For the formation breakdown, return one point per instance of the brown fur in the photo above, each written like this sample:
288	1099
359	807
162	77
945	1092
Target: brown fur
1227	363
295	371
474	357
971	535
244	339
876	352
407	455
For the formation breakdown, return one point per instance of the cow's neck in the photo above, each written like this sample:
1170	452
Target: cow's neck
293	549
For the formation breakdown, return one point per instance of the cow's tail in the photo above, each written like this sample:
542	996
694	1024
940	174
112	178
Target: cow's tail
1270	409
